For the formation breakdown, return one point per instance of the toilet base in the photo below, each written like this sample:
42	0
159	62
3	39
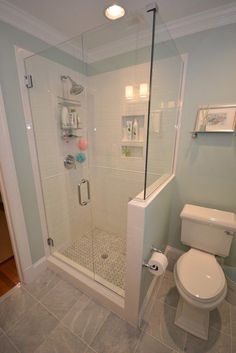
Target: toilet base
192	320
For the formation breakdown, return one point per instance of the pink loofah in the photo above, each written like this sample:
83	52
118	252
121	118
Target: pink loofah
83	144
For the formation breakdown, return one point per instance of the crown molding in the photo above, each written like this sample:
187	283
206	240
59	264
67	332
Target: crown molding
30	24
201	21
184	26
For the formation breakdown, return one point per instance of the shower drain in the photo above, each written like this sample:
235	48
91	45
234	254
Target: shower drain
104	256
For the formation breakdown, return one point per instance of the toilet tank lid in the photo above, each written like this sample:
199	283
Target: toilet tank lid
210	216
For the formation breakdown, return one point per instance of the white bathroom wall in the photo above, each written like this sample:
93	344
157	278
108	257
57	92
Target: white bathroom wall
115	178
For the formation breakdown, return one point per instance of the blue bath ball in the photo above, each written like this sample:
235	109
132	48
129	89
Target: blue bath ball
80	157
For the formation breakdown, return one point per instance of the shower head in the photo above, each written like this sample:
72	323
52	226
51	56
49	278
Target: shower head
75	87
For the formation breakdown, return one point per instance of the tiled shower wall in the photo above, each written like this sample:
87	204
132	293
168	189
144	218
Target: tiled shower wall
117	179
114	179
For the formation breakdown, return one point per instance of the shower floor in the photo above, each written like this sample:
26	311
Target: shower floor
103	254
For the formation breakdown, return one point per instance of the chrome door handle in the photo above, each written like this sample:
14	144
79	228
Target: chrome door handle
83	181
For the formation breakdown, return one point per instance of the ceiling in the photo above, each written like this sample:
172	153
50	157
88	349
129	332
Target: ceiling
72	17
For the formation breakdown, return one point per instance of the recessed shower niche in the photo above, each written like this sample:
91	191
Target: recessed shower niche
133	136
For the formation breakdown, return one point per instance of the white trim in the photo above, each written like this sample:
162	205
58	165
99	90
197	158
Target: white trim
21	54
30	24
147	298
202	21
12	200
33	271
215	17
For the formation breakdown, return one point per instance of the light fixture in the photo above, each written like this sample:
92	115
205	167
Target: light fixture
113	12
129	92
143	90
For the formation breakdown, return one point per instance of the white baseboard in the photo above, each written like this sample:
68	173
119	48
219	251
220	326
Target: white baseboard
172	254
147	299
32	272
149	294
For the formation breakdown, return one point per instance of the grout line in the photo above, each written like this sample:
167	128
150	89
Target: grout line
230	320
100	326
60	322
9	339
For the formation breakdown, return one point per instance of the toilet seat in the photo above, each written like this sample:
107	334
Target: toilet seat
200	276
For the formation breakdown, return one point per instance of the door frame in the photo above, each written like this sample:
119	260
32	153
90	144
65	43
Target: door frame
12	201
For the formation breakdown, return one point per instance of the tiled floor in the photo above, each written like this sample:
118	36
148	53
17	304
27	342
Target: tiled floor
51	316
102	253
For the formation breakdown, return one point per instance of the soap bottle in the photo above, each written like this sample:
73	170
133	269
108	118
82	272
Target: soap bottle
73	118
64	117
135	130
129	129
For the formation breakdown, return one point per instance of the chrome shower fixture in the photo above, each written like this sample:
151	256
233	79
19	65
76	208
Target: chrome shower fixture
75	87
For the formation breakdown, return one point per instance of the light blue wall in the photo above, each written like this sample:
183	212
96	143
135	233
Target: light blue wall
206	167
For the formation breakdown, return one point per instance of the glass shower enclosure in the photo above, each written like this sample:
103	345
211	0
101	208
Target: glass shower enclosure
103	137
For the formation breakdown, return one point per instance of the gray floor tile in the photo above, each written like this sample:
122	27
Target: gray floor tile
152	300
168	291
86	319
233	319
14	306
6	346
61	340
149	344
160	325
116	336
46	281
90	350
217	343
220	318
33	328
60	298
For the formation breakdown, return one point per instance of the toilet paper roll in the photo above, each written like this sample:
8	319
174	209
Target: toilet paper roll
158	264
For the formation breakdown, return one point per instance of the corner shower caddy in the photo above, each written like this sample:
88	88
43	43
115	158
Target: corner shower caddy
70	131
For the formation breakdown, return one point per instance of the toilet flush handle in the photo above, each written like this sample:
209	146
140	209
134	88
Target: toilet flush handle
229	232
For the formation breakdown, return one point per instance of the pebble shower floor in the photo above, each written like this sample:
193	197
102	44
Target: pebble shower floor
102	253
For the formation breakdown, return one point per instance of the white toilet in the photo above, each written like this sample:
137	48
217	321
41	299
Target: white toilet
199	277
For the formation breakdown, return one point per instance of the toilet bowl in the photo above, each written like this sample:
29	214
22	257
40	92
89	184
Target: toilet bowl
199	278
201	284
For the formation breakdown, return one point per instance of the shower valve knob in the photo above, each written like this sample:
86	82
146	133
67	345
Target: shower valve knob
69	161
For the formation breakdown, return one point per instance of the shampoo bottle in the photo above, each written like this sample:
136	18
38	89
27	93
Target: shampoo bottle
129	125
135	130
64	117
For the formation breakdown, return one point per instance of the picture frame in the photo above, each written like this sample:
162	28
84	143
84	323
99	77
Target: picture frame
216	119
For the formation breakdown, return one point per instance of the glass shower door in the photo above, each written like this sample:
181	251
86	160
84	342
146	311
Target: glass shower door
57	99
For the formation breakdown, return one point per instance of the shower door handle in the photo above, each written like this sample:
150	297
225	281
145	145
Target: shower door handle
83	181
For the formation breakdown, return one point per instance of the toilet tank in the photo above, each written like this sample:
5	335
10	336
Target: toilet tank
208	229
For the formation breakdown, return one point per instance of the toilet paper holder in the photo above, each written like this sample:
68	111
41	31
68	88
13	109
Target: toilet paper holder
152	267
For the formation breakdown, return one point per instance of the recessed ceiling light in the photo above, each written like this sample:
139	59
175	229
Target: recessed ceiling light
114	12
